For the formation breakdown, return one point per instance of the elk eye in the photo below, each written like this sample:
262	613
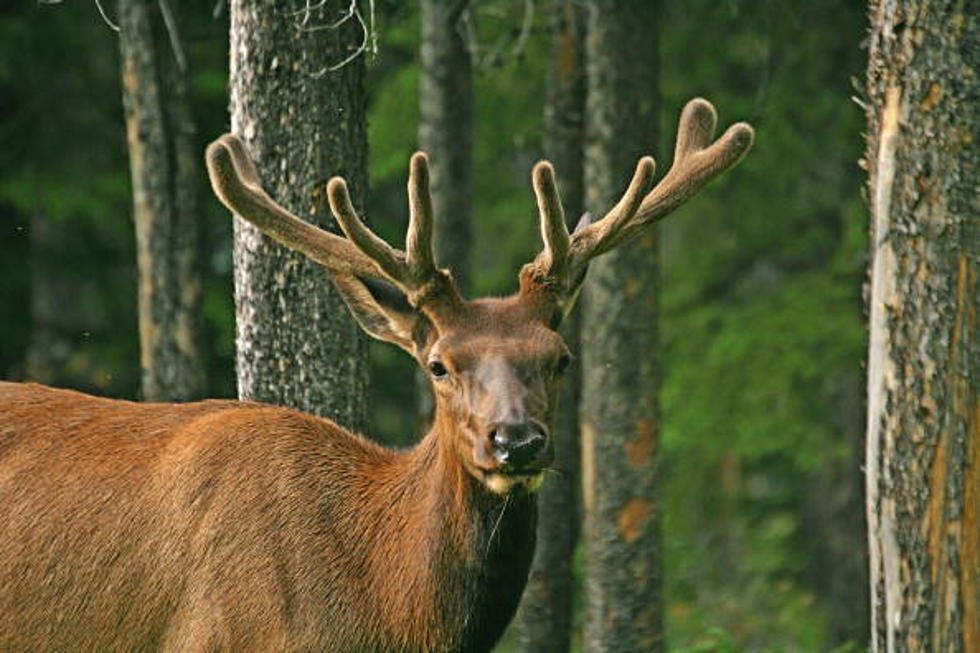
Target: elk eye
437	369
562	364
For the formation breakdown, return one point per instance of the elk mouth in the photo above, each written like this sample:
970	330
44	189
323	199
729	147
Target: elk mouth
504	481
534	469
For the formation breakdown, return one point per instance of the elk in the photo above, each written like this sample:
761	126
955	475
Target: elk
242	526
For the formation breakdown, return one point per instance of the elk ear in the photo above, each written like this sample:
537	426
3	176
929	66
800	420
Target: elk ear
383	311
571	297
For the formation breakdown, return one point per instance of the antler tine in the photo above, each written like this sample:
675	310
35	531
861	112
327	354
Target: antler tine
236	183
414	270
696	160
387	258
696	127
418	240
362	254
242	162
601	236
554	233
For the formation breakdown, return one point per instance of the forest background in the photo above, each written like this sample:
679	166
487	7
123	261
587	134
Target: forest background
761	312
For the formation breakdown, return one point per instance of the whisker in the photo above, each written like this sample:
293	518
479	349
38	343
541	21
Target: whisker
496	525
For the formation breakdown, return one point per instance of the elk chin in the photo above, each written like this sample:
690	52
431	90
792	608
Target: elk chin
500	483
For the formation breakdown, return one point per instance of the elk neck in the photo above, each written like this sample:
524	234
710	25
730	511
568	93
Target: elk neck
458	553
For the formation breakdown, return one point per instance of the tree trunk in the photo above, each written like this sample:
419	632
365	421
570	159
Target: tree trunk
544	620
164	170
446	112
303	123
923	439
620	421
445	134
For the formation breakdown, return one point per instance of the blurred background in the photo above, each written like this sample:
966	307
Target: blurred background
761	311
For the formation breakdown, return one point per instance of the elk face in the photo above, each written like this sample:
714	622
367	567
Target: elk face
494	366
495	379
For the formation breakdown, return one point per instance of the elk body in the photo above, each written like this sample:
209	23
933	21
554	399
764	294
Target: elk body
241	526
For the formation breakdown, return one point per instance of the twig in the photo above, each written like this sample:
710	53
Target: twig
354	55
373	29
350	13
309	9
171	24
526	25
114	27
505	47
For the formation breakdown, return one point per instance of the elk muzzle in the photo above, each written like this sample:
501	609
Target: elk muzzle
521	446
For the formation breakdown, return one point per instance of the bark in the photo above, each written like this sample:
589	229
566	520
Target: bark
544	620
164	171
620	421
445	134
303	123
923	431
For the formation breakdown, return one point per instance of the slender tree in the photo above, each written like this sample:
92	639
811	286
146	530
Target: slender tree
544	621
923	439
446	111
297	99
165	173
445	128
619	414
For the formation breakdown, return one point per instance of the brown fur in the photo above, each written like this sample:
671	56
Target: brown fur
241	526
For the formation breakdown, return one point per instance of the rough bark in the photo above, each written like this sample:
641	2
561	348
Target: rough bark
923	437
544	620
164	171
619	416
303	123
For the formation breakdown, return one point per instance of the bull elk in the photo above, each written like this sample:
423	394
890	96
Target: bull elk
233	525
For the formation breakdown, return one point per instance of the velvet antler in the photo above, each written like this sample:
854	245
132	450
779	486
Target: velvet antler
697	160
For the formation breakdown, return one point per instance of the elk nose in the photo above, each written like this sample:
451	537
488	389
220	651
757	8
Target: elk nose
519	444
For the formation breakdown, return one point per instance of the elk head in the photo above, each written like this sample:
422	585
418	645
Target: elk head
495	362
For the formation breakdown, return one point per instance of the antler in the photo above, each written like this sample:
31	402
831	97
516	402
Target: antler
236	183
697	160
414	270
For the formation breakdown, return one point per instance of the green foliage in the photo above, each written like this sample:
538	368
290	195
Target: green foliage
761	318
